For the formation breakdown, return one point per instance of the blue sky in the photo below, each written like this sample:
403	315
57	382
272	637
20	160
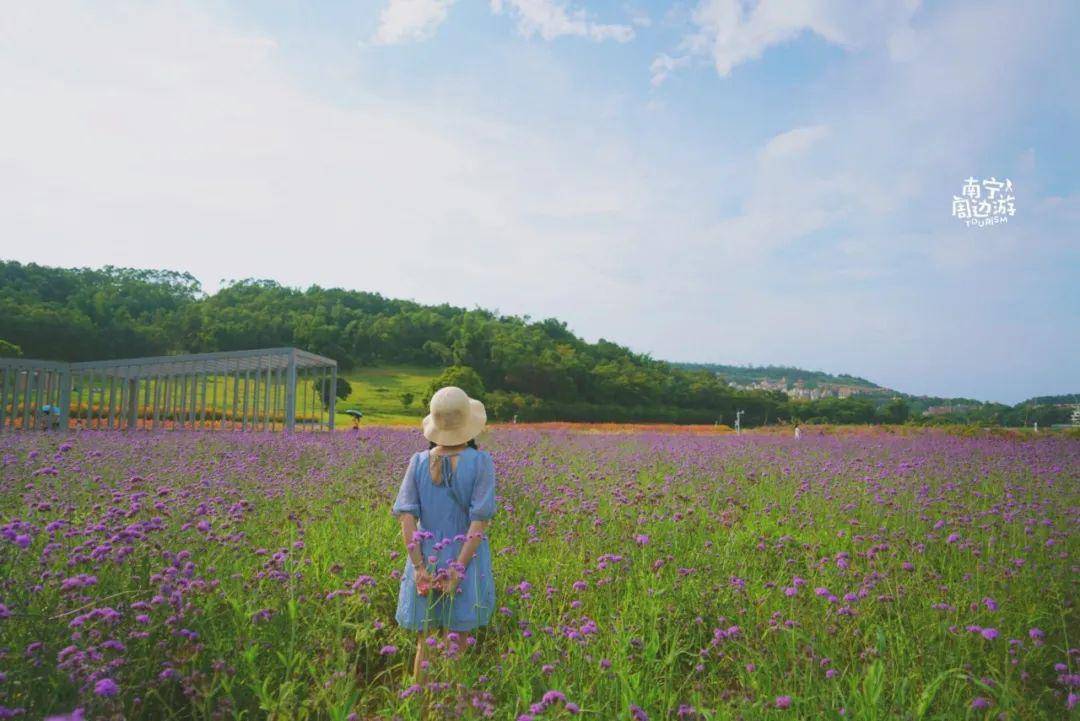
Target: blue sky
711	180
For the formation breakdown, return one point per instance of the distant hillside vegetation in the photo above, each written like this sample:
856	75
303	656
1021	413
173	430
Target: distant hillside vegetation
1066	399
744	375
536	370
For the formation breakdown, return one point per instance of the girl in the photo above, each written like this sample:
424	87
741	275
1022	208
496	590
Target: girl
450	490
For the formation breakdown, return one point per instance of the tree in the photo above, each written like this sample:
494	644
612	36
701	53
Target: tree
895	411
322	388
9	350
463	377
406	399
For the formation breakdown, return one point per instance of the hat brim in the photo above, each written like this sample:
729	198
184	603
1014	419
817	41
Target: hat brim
472	427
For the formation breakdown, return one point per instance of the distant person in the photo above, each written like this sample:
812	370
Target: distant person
445	503
798	432
1036	426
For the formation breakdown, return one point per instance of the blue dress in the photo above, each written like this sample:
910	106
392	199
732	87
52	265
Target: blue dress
445	511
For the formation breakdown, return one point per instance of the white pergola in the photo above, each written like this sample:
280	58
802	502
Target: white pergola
266	389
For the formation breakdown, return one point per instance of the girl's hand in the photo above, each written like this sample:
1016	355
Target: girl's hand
449	582
423	579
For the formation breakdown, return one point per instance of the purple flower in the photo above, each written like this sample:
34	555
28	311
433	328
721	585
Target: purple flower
641	539
991	604
552	697
783	702
638	714
989	633
76	715
980	702
387	650
106	687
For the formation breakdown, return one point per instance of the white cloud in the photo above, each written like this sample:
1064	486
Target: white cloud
794	142
732	32
664	65
552	19
410	20
161	136
638	16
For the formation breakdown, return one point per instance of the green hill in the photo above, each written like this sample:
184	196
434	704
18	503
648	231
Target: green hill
537	370
745	375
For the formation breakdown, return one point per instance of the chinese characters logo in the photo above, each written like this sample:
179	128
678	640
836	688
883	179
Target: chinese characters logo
986	202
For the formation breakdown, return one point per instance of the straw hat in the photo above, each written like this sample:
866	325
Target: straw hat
455	418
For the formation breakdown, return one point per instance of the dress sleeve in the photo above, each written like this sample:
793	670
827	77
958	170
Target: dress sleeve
408	497
482	505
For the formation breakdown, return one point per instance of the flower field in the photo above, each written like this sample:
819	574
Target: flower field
183	575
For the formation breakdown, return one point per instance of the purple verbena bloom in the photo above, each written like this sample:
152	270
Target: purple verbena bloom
106	687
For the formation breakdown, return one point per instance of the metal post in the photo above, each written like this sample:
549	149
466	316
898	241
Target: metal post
290	394
39	382
235	397
279	409
65	400
184	401
193	412
313	398
100	402
244	410
333	395
133	402
91	411
214	405
44	398
202	421
167	405
26	402
147	410
121	401
268	381
112	400
255	399
4	373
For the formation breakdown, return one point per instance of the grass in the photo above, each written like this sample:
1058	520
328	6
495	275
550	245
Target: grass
376	392
845	576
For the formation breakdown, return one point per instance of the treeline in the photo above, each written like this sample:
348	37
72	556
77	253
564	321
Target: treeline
534	369
999	414
537	370
744	375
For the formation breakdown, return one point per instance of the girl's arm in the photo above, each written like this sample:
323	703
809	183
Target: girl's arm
408	535
475	535
481	509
